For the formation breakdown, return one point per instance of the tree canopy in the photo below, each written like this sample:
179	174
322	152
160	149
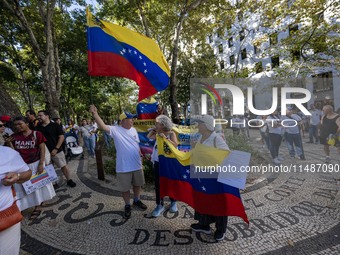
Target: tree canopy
43	50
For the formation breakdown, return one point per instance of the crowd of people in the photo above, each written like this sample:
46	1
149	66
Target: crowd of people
25	141
323	127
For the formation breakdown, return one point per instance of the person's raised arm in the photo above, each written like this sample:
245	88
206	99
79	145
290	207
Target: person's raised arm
99	121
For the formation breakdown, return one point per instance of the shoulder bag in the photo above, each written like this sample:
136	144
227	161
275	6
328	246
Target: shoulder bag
10	216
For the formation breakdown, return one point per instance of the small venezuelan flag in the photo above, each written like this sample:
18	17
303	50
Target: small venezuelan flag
39	177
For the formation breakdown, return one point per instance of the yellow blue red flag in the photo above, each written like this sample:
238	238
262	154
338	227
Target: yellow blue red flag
207	196
117	51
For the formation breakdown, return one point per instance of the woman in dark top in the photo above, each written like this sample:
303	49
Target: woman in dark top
330	128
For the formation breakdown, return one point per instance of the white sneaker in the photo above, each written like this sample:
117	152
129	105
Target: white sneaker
173	207
276	161
280	158
157	211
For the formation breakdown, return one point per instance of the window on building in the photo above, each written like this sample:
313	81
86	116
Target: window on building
220	48
292	29
273	39
275	61
244	54
322	82
232	59
295	54
230	42
256	50
242	35
258	67
222	64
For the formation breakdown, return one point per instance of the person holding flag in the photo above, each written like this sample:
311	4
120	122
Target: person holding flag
210	138
128	159
212	201
163	129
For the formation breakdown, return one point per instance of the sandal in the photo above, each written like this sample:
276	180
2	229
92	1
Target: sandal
35	214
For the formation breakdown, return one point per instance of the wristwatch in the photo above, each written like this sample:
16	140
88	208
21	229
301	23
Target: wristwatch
18	176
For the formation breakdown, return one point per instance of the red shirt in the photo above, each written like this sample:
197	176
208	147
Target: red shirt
28	146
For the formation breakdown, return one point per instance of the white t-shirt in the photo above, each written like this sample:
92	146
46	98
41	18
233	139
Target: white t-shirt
10	161
292	129
85	130
127	147
316	117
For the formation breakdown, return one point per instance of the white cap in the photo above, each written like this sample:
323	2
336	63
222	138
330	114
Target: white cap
208	120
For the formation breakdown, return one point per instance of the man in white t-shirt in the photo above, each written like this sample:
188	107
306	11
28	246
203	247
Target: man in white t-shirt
314	124
128	159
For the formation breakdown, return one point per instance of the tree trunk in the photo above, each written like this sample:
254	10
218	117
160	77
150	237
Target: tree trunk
173	74
48	60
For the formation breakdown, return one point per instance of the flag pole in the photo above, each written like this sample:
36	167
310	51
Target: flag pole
91	97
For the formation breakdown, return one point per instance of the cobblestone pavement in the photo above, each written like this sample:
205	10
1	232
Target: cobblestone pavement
290	213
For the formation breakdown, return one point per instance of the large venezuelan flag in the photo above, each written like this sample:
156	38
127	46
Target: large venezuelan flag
117	51
206	196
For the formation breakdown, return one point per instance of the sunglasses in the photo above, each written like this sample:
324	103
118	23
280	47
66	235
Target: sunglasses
2	125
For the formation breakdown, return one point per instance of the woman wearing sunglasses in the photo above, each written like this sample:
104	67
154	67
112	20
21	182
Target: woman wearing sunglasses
4	136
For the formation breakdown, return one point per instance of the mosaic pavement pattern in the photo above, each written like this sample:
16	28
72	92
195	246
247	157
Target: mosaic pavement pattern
290	213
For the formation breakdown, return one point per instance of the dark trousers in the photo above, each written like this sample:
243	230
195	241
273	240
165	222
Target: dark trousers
275	142
159	200
205	220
